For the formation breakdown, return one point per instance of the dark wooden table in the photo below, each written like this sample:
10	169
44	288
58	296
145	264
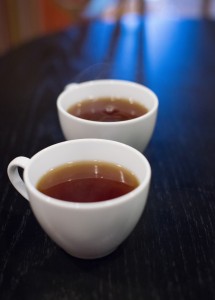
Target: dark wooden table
171	252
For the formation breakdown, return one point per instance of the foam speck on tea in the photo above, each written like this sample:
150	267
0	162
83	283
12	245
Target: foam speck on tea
108	109
87	181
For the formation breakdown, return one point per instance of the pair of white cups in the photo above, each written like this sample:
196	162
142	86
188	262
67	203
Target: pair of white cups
92	230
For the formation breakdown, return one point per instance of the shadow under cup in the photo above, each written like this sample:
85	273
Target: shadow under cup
88	230
135	132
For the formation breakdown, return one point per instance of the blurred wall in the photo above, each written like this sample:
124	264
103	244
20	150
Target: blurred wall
22	20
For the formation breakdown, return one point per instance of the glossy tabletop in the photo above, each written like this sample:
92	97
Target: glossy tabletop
171	252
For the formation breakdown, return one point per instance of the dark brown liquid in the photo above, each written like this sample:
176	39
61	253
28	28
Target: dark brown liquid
107	109
88	181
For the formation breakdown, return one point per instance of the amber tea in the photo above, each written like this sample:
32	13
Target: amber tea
88	181
107	109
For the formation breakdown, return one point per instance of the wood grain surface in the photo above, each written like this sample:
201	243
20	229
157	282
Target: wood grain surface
171	252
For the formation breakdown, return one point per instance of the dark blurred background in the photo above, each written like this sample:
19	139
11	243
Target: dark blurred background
23	20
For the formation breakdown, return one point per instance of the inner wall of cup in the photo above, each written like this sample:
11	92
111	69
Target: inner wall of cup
115	89
81	150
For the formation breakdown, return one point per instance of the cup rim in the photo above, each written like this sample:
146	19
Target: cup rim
88	205
108	81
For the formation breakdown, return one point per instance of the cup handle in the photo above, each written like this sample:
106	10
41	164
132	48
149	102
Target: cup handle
14	176
70	86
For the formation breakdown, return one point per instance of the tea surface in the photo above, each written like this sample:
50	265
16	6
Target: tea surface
88	181
108	109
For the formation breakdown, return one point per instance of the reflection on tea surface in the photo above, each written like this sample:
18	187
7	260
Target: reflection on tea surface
108	109
87	181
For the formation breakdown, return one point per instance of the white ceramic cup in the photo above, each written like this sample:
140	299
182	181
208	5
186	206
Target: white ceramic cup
84	230
135	132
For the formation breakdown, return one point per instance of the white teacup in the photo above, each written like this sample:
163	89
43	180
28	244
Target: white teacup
135	132
84	230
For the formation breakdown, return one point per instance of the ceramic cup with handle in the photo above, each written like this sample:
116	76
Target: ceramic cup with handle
135	132
84	230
